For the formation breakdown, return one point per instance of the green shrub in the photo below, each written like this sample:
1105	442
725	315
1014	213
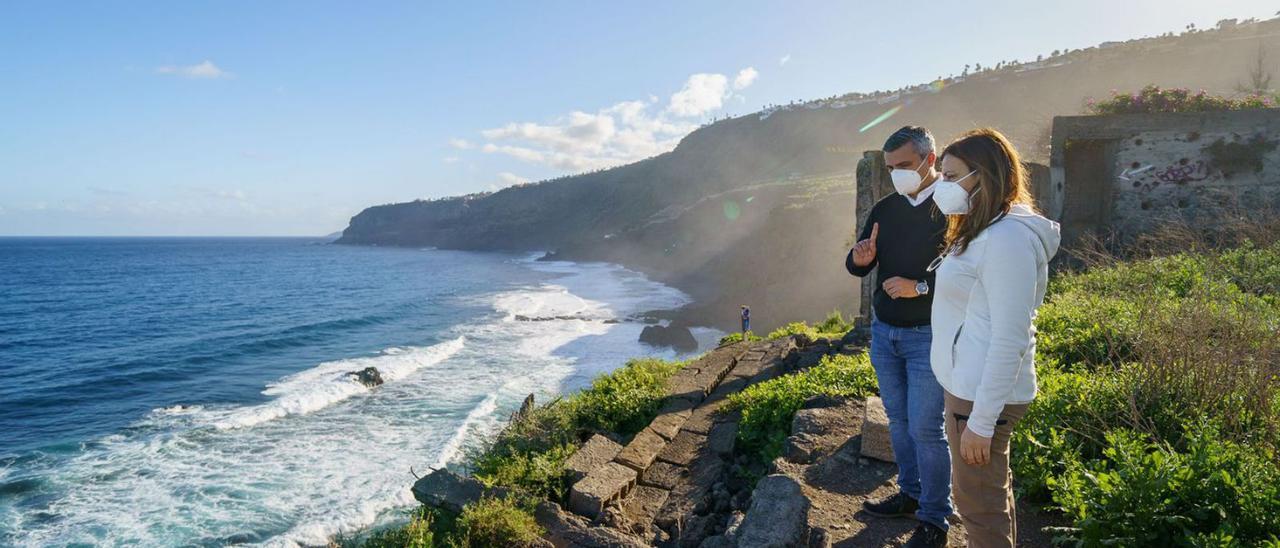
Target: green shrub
834	324
1147	494
1254	270
737	337
1068	419
768	407
1130	353
1085	330
793	328
536	473
625	401
497	522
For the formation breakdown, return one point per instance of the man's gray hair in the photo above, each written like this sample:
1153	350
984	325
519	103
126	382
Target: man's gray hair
916	135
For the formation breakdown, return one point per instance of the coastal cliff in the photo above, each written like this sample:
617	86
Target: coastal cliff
748	205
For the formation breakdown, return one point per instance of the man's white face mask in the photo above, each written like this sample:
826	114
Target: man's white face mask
906	181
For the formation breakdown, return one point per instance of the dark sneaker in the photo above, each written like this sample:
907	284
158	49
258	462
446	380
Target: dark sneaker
897	505
927	535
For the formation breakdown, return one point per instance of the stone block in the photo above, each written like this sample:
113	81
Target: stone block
685	383
639	454
703	417
668	424
684	448
664	475
642	505
778	517
603	485
593	454
875	432
722	438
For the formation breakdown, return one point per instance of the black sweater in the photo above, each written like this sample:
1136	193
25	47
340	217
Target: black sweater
910	238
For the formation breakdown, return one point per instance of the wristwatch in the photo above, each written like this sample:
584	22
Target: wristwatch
922	287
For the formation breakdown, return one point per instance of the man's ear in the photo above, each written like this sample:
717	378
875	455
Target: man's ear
931	160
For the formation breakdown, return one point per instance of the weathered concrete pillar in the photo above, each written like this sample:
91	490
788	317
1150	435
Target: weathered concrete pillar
873	184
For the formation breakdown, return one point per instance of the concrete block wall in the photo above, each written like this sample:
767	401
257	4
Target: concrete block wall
1125	174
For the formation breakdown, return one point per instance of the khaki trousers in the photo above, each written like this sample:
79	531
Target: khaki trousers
984	494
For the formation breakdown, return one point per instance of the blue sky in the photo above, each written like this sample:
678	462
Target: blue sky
286	118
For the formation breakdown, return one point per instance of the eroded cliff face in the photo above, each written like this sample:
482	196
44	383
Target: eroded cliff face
759	209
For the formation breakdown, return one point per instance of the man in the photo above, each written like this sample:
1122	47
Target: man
746	321
902	235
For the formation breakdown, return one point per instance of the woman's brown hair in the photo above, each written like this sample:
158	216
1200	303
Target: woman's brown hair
1002	182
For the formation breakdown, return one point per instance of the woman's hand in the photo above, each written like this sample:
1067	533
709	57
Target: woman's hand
975	449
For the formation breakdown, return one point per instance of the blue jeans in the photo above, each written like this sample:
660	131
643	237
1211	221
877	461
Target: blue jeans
913	400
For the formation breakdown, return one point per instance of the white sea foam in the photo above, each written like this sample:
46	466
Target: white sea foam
450	450
330	383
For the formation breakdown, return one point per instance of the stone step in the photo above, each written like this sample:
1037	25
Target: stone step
593	454
606	484
660	458
642	505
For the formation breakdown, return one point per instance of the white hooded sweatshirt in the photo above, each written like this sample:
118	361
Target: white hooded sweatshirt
985	300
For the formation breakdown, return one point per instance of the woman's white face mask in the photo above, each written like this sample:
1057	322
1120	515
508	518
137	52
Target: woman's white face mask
951	198
906	181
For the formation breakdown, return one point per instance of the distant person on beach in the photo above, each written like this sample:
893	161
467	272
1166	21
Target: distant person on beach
901	235
746	320
990	281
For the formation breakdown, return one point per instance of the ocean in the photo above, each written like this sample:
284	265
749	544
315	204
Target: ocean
193	391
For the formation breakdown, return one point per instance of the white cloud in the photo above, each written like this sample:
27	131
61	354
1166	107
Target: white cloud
618	134
204	71
461	144
745	78
511	178
784	60
701	93
450	159
236	195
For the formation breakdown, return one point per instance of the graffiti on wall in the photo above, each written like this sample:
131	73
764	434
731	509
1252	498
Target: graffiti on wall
1183	172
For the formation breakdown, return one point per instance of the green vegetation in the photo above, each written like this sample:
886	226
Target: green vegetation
419	533
1158	420
488	522
834	326
528	459
737	337
496	522
768	408
1154	99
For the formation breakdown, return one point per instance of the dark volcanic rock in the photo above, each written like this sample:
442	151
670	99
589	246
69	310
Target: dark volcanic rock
369	376
679	338
447	490
779	515
565	529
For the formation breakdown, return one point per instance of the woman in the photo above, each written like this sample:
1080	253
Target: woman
990	280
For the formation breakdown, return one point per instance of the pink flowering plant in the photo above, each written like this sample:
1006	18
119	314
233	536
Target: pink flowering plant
1155	99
